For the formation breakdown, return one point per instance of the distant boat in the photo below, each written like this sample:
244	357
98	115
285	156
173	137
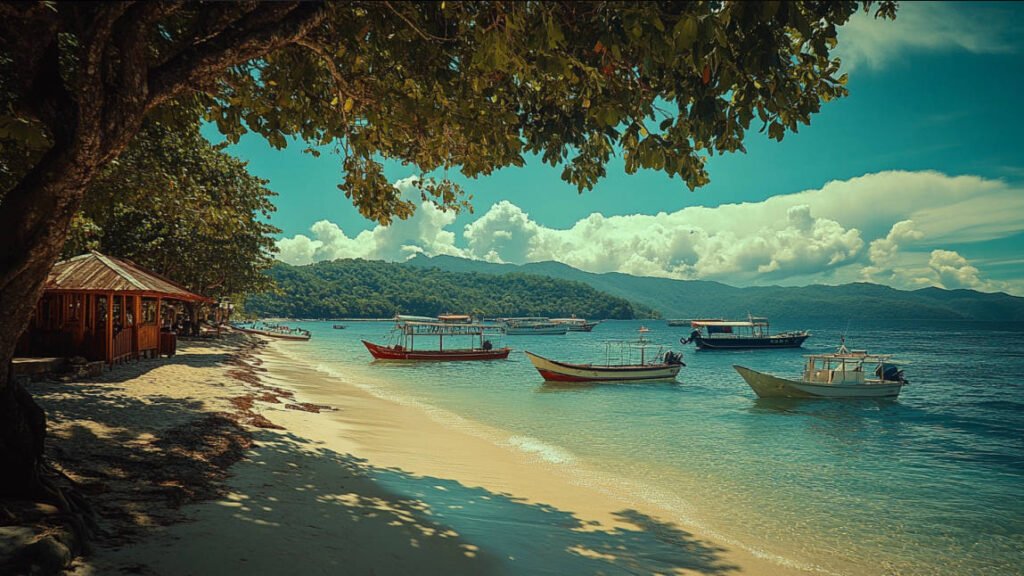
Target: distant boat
576	324
406	333
678	322
273	330
843	374
754	333
532	325
454	318
663	365
339	326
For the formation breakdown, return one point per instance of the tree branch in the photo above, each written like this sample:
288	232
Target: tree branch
425	35
261	31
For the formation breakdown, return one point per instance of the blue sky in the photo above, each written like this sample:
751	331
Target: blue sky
915	179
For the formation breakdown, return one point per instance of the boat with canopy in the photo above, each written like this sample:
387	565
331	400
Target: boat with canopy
279	331
576	324
843	374
753	333
405	335
625	361
532	325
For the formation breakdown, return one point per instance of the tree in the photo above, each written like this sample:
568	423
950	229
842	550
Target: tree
467	85
180	206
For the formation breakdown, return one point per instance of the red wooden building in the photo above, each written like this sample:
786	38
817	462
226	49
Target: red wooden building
102	308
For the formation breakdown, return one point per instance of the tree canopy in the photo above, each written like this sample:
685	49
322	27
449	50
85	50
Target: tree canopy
472	86
177	205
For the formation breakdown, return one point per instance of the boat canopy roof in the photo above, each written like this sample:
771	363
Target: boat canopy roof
444	329
733	323
453	317
854	356
408	318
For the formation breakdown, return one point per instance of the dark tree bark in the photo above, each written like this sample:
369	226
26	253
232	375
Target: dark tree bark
90	111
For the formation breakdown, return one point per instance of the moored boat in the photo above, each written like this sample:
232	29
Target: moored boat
753	333
274	331
532	325
339	326
843	374
576	324
405	334
663	365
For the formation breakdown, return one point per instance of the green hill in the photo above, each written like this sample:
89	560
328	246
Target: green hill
374	289
701	298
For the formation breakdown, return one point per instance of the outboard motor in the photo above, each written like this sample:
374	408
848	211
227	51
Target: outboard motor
674	358
695	335
890	372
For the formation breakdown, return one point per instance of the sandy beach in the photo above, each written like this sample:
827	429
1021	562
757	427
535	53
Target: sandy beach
366	486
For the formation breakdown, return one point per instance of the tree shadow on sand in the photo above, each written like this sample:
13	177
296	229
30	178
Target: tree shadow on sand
293	503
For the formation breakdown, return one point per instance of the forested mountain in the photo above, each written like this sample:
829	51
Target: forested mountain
374	289
701	298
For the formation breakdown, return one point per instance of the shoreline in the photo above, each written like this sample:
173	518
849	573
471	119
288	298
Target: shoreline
371	485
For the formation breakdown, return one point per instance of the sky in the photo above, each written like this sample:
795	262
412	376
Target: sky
915	179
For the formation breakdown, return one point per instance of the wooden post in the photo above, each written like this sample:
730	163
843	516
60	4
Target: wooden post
110	328
136	324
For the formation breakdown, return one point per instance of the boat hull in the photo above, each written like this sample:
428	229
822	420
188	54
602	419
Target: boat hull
388	353
768	386
777	341
554	371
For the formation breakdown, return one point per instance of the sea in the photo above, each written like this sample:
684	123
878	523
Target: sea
931	483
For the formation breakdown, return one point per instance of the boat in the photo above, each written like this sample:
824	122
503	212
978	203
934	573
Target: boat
753	333
406	333
454	318
576	324
625	361
532	325
843	374
279	331
339	326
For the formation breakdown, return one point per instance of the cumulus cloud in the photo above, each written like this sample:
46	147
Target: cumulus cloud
954	271
921	26
425	232
879	227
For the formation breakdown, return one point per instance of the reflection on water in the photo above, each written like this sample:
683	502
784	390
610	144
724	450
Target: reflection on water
929	483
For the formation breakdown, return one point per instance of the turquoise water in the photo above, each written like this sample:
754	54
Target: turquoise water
931	483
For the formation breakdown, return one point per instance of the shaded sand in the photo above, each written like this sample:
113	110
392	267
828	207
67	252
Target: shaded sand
379	487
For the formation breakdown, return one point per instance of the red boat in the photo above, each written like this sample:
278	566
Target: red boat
407	332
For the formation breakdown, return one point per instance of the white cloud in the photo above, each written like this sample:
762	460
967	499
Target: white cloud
921	26
424	232
954	271
878	227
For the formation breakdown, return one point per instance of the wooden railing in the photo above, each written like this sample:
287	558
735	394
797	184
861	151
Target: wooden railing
123	345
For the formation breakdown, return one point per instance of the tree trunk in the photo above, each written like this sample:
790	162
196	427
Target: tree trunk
34	219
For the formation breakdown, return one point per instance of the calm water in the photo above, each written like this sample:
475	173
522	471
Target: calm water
931	483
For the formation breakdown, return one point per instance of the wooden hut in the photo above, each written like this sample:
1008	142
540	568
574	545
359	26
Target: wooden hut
102	308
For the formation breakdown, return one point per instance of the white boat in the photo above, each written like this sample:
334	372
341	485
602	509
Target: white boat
576	324
625	361
532	325
843	374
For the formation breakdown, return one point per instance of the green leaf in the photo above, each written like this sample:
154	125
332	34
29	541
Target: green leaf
684	33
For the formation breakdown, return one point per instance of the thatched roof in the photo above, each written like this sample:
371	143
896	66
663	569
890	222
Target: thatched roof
95	272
